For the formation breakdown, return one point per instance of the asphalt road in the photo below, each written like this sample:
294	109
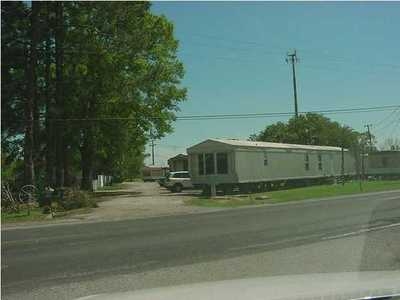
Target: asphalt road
269	236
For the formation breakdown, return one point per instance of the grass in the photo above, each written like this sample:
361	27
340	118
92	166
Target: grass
225	202
22	216
298	194
37	215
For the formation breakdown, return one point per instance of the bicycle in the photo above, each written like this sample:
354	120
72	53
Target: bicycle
27	195
8	202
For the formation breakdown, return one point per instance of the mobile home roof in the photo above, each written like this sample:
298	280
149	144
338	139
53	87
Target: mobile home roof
241	143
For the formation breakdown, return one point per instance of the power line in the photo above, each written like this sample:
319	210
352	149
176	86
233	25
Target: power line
240	48
384	120
221	58
368	126
346	60
260	46
339	64
388	132
236	42
349	70
252	62
395	127
280	114
334	58
388	125
237	116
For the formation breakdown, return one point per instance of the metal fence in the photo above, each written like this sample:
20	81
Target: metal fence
101	181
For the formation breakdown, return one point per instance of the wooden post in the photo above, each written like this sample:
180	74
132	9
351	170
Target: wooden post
213	190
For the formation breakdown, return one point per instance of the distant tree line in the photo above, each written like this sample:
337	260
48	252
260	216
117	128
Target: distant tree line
315	129
69	69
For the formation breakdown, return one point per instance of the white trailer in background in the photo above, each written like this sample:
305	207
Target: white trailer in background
383	164
257	166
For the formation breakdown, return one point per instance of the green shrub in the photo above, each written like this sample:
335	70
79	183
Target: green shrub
46	210
73	199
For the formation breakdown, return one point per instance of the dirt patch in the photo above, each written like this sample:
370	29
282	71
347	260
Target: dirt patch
137	200
142	200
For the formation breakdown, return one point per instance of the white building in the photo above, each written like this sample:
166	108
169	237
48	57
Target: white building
383	164
227	162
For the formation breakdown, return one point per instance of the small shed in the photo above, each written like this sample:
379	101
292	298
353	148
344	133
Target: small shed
178	163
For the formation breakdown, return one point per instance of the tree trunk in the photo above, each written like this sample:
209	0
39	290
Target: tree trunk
67	164
88	148
50	138
29	141
59	38
36	125
87	157
87	160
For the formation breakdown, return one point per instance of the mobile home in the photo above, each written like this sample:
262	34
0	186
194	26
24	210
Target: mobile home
153	173
383	164
178	163
259	165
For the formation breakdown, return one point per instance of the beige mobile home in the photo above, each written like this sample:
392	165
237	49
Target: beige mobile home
153	173
383	164
247	164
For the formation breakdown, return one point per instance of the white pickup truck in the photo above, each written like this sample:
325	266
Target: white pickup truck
177	181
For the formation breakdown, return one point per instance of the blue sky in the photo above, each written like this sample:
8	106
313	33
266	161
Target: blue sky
234	56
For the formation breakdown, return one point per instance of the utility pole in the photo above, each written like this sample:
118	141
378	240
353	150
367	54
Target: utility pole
293	59
369	135
342	164
152	151
362	163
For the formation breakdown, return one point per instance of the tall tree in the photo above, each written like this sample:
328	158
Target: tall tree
15	25
129	69
31	100
49	98
107	74
59	96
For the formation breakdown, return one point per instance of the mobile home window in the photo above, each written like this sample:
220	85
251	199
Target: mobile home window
201	164
265	159
222	163
319	162
384	162
210	168
307	162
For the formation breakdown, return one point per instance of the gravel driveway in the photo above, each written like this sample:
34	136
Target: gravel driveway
151	200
